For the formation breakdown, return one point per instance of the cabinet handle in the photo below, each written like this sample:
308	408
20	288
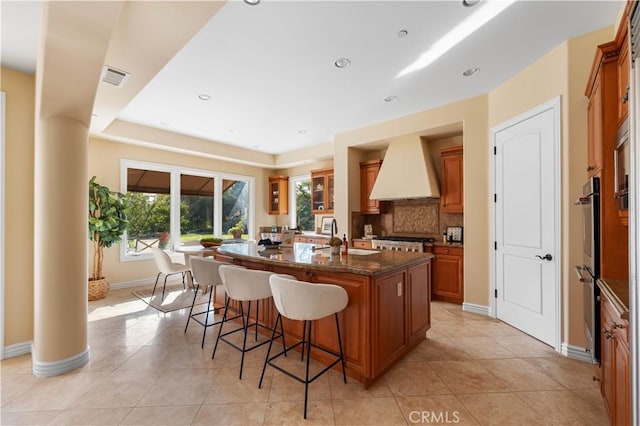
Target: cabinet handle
589	168
607	334
625	98
616	325
595	379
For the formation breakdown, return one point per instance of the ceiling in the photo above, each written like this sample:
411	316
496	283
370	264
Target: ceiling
270	74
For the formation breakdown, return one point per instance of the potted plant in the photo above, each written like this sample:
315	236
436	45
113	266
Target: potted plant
335	243
237	230
107	222
210	241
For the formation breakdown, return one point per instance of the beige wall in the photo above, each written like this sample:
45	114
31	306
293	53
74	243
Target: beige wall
562	72
104	162
19	151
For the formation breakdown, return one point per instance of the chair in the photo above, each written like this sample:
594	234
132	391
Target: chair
244	285
206	275
302	301
167	267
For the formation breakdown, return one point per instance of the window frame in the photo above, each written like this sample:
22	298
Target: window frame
175	172
293	180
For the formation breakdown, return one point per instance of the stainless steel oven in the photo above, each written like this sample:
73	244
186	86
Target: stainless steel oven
589	271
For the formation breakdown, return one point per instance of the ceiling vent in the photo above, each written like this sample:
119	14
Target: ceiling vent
114	76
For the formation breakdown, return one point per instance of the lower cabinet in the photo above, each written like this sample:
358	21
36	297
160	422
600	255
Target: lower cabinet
614	362
448	274
363	244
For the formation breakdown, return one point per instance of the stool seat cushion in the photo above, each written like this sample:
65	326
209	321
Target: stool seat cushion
245	284
299	300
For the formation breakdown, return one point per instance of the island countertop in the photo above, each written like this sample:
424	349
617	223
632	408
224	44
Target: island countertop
314	257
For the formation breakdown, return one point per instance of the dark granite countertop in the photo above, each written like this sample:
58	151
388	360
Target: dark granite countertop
616	290
317	257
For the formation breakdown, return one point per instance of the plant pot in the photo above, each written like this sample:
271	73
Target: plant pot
335	250
98	289
237	235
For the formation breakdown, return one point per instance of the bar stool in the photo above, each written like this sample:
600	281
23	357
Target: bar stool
206	276
244	285
167	267
302	301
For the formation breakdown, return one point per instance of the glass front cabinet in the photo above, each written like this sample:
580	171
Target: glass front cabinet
278	195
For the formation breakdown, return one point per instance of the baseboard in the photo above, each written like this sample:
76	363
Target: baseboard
55	368
17	349
476	309
144	281
576	352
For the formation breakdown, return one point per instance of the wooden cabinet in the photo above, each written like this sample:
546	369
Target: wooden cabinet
448	274
602	121
363	244
311	239
389	326
451	193
623	76
278	195
368	174
322	196
614	363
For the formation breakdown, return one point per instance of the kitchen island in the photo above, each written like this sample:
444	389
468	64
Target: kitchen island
388	311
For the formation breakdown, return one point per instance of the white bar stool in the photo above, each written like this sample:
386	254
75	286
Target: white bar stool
206	276
302	301
244	285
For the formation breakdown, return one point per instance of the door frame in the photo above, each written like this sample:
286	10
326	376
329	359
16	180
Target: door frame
553	105
2	216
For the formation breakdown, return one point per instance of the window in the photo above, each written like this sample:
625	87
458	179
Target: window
300	202
172	206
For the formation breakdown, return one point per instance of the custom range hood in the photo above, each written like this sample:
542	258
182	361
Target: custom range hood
406	172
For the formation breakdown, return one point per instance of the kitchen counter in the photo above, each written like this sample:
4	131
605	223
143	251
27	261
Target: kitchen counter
312	257
617	291
389	309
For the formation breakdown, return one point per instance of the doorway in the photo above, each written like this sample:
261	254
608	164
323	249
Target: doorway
526	218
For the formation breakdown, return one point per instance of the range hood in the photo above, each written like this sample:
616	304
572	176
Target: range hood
406	172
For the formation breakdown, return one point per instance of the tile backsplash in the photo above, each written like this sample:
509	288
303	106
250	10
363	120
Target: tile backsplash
420	218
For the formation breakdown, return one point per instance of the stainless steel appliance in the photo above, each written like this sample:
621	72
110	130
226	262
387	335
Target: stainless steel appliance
622	167
396	243
589	271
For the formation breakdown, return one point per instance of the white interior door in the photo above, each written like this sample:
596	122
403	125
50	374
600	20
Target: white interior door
527	224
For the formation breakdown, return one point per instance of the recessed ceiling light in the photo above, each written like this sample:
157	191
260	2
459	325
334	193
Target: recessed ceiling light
469	3
342	63
302	131
481	15
252	2
390	98
402	33
204	97
471	71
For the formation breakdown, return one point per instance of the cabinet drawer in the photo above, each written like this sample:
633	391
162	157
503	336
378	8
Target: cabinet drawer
454	251
361	244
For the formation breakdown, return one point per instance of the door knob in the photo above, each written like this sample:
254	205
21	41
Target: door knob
545	257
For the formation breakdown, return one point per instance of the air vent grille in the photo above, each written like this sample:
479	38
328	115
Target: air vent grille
114	76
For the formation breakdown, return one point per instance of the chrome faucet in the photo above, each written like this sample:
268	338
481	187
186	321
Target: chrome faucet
334	228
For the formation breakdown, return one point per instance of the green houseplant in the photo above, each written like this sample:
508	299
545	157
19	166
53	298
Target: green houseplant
237	229
107	222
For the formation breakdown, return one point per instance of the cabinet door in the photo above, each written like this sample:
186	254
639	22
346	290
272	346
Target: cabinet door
368	173
447	284
389	319
594	120
322	195
623	82
607	359
451	197
278	195
622	394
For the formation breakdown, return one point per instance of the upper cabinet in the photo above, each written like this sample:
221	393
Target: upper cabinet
322	196
368	174
278	195
451	195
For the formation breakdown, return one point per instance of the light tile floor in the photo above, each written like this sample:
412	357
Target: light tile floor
144	370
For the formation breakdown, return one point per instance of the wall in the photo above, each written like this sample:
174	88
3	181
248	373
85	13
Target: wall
562	72
19	238
104	162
